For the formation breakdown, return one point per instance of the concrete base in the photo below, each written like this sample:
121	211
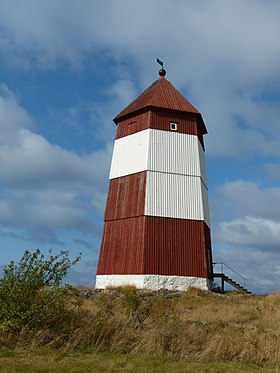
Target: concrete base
153	282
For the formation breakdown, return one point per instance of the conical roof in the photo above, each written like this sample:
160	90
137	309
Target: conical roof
161	94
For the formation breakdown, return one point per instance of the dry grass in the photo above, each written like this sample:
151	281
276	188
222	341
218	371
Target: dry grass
50	361
191	325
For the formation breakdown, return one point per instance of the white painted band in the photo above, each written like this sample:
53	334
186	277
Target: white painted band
153	282
176	196
160	151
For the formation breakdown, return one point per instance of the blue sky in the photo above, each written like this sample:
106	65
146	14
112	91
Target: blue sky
67	67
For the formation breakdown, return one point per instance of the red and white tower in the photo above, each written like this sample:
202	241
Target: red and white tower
156	226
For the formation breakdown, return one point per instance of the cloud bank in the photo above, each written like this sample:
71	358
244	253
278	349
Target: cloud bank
223	56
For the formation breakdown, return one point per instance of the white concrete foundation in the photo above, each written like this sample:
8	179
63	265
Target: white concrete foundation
153	282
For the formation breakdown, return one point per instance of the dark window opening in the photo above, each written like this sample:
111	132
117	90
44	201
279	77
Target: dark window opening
173	126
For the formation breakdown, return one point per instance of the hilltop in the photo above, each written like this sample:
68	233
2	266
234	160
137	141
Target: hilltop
177	325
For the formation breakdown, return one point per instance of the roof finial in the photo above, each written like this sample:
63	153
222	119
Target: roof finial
161	72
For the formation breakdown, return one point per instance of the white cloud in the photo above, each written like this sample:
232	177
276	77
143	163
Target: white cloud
227	69
244	198
26	156
118	96
13	117
200	36
248	239
260	268
44	185
251	216
98	201
251	232
122	91
223	56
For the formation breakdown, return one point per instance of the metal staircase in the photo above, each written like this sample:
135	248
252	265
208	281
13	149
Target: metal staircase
225	278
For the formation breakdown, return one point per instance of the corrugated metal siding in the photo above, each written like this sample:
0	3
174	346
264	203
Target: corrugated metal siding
202	164
137	123
176	196
130	154
153	245
126	197
186	123
122	247
158	151
205	205
207	237
176	247
176	153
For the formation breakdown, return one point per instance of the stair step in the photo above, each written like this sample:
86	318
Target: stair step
232	282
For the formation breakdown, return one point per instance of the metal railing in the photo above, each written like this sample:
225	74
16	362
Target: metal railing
223	265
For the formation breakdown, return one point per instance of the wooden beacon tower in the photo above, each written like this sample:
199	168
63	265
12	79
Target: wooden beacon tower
156	226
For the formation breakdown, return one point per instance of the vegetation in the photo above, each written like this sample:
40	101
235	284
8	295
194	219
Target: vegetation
83	327
51	361
30	292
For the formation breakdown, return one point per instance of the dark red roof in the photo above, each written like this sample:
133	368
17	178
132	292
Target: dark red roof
160	94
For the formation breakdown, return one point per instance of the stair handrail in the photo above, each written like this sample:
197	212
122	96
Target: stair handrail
223	264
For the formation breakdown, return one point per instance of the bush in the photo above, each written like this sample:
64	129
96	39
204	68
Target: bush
30	292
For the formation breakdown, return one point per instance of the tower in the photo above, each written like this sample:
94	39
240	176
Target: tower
156	230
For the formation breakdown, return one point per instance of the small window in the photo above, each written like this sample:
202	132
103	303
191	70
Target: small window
173	126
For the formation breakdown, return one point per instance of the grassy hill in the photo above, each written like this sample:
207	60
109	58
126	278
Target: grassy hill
193	331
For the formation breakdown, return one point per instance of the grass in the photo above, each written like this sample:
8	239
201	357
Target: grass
49	361
162	331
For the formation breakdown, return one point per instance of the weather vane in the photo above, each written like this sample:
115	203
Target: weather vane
161	72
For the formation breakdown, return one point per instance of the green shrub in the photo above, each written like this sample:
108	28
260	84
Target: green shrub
30	292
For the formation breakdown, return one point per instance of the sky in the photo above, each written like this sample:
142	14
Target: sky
67	67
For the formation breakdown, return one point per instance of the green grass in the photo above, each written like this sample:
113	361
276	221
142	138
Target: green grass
47	328
162	331
52	361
